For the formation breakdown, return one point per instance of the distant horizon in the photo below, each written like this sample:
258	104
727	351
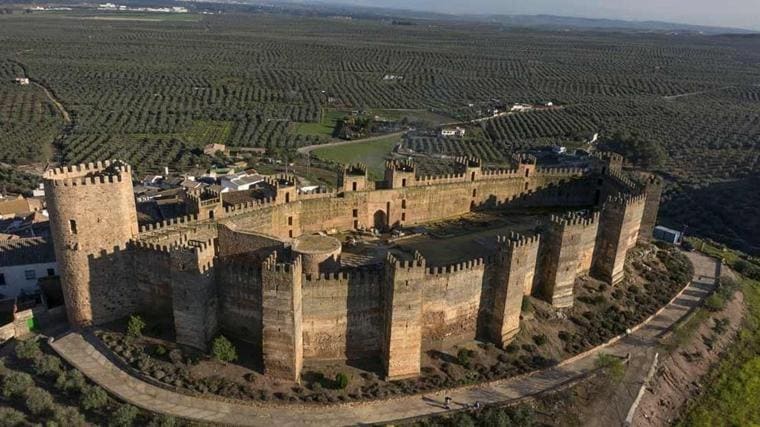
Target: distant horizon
735	14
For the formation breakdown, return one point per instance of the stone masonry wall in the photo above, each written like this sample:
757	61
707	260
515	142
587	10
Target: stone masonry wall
342	315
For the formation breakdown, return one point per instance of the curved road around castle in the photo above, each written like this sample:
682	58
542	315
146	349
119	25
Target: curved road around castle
640	345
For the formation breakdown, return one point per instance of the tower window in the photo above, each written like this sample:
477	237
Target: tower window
403	216
353	186
526	185
290	233
287	197
51	272
356	213
2	279
211	214
403	182
72	226
474	192
290	220
403	203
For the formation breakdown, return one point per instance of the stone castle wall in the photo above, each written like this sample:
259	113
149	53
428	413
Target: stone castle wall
232	271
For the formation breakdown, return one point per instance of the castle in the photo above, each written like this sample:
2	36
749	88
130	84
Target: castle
258	271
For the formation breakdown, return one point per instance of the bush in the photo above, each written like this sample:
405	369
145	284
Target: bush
160	350
68	417
47	365
715	302
10	417
612	365
341	381
463	357
223	350
29	349
124	416
94	398
135	326
71	381
16	383
512	348
540	339
162	421
38	401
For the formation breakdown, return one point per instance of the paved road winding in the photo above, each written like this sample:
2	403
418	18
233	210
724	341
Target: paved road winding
84	356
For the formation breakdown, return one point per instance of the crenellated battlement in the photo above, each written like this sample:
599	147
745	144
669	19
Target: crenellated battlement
626	200
608	156
517	240
440	179
319	193
524	159
468	161
561	171
574	219
418	261
108	172
248	206
183	220
280	180
621	178
400	165
356	169
356	275
472	264
271	264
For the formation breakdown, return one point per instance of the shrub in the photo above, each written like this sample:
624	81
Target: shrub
71	381
512	348
38	401
612	365
496	417
10	417
93	398
463	357
68	417
135	326
715	302
160	350
223	350
527	306
341	381
29	349
16	383
162	421
124	416
540	339
47	365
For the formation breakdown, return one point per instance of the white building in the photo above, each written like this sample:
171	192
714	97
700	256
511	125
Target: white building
22	262
23	81
457	131
521	107
240	181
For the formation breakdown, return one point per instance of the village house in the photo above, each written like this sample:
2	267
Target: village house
457	131
23	262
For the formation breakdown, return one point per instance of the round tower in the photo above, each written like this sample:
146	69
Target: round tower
92	217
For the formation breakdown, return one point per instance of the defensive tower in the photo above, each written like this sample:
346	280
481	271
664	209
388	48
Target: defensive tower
92	217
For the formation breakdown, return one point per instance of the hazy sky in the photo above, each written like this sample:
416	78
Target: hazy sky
732	13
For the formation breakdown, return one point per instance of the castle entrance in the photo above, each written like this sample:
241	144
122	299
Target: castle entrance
380	220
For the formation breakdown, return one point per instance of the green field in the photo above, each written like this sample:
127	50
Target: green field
325	127
733	387
204	132
371	153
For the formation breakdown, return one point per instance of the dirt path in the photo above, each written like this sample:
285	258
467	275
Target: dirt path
701	92
78	351
677	378
48	93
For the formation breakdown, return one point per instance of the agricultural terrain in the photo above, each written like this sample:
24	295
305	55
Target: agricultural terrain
153	92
